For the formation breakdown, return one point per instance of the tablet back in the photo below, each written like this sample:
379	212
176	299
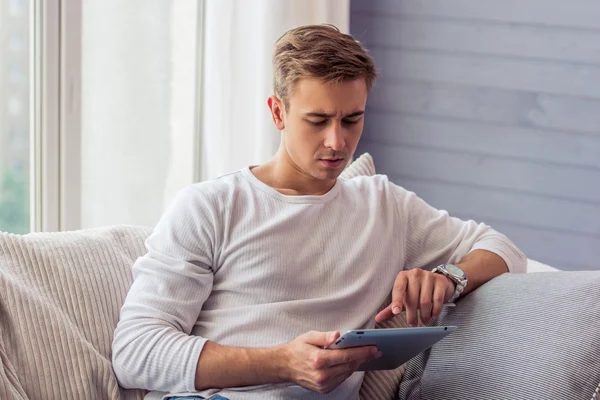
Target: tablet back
398	345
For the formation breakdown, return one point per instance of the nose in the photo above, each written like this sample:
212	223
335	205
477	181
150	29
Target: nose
334	137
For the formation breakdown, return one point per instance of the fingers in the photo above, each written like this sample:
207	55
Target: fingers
411	302
321	339
320	369
340	373
418	292
426	297
347	356
327	380
439	293
384	314
399	293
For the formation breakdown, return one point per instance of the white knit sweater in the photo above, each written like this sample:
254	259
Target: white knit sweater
236	262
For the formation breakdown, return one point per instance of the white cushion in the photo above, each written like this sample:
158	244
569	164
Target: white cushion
536	266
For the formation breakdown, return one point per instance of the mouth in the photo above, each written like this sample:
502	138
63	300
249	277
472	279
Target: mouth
332	162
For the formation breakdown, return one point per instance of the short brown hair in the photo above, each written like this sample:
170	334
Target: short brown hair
319	51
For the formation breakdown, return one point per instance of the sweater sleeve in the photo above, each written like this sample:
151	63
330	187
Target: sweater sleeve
152	347
432	237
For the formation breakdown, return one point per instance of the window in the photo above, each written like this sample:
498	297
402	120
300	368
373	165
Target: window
98	126
14	118
138	108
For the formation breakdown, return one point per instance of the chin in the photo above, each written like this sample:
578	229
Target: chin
329	175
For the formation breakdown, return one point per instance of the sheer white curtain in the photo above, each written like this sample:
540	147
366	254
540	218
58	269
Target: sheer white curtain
239	35
138	87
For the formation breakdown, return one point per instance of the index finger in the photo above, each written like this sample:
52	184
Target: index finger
349	355
398	293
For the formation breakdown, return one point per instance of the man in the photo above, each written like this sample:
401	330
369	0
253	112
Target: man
249	276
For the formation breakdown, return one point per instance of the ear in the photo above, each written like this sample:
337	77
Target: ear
277	112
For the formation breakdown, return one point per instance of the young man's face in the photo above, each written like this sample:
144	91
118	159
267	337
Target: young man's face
322	125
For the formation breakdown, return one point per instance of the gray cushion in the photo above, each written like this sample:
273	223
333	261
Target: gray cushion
530	336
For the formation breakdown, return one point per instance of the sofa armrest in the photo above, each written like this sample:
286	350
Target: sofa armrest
519	336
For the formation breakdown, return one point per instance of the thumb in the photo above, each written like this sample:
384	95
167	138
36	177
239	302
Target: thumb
321	339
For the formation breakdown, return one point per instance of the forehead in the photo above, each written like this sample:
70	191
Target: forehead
310	94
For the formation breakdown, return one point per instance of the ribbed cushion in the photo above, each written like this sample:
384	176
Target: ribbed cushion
527	336
383	385
377	385
60	297
362	166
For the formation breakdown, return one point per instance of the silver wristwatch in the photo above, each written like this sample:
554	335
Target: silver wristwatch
456	275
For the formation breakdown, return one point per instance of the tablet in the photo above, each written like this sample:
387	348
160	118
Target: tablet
398	345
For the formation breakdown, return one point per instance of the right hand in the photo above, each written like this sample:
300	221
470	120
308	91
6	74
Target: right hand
311	366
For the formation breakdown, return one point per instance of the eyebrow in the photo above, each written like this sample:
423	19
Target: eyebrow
325	115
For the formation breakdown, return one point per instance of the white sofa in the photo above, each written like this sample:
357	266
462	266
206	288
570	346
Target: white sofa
60	297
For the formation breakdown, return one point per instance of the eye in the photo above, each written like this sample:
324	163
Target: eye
351	121
318	123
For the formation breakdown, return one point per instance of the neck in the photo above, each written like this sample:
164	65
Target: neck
287	178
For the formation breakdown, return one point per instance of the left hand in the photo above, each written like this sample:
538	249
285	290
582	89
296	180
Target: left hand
417	289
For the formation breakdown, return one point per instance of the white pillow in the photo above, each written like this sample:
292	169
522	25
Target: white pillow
362	166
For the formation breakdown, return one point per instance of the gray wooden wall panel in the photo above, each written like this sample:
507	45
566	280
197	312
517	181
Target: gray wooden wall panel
491	105
491	202
551	236
576	184
559	78
581	14
491	110
477	37
536	145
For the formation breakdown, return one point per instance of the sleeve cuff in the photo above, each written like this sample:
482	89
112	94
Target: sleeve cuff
515	260
192	364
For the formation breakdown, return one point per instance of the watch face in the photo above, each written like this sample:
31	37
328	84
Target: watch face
454	270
